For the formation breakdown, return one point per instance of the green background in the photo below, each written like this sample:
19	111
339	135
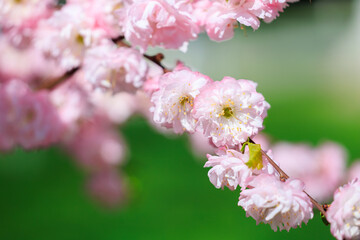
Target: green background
305	65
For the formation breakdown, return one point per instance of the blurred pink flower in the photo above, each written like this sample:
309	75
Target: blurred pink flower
105	14
97	145
263	140
201	145
73	103
283	205
174	101
67	34
230	111
322	169
151	83
107	187
354	171
117	107
159	23
116	69
27	64
18	19
27	118
344	212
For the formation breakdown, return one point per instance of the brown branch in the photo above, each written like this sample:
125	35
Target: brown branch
155	58
284	177
56	81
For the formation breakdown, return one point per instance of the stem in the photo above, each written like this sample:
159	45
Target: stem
155	58
56	81
284	176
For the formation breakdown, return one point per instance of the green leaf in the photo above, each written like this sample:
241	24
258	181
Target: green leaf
255	159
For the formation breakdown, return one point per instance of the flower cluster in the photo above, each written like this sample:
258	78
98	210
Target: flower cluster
70	73
172	24
228	113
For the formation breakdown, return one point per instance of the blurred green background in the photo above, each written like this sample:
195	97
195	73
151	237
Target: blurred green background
307	66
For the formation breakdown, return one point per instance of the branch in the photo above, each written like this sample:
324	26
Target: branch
155	58
284	177
56	81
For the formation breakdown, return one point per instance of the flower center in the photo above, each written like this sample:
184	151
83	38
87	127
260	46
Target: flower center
184	100
227	112
79	39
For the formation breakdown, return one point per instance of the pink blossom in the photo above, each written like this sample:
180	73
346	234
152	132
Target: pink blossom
27	118
26	64
230	111
107	187
73	103
344	212
219	17
151	83
116	69
96	145
107	14
117	107
263	140
283	205
19	18
229	169
267	10
354	171
201	145
173	102
67	34
224	16
159	23
322	169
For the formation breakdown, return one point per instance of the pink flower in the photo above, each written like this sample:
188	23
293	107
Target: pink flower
263	140
219	17
344	212
267	9
230	111
201	145
116	69
354	171
117	107
28	119
19	18
26	64
223	16
322	169
220	22
283	205
67	34
107	14
96	145
173	102
73	102
107	187
159	23
151	83
229	169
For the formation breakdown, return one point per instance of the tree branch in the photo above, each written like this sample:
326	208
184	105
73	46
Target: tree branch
56	81
284	177
155	58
